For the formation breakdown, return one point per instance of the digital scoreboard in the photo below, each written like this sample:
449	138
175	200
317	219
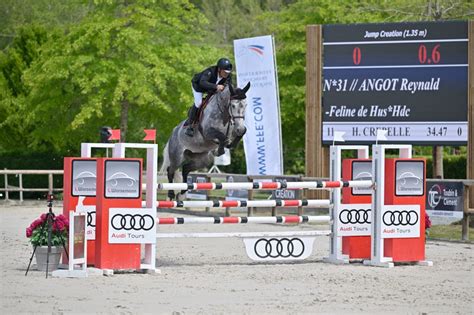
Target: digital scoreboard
410	79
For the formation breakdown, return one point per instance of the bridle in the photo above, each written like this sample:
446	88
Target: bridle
230	118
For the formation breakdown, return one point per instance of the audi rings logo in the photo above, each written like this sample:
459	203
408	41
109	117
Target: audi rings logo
91	218
400	218
279	248
136	222
354	216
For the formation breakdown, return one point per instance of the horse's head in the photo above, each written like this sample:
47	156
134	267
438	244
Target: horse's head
237	106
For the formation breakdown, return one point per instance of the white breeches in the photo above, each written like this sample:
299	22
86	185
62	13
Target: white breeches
197	98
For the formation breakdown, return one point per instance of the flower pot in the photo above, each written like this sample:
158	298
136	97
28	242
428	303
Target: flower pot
54	257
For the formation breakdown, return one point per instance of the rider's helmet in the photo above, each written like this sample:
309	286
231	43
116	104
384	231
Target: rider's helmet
224	64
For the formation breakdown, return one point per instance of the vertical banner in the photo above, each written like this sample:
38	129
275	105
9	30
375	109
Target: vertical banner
255	62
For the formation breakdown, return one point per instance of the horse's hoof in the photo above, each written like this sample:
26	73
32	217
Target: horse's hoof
171	195
220	151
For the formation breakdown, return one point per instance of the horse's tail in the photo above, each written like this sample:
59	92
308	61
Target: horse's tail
177	178
166	161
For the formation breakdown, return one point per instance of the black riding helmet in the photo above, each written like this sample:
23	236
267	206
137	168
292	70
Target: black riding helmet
224	64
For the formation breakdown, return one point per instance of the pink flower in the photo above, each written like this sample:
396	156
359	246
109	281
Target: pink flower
58	226
29	232
36	223
427	221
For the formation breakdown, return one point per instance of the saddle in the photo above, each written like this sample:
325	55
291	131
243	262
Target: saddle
200	112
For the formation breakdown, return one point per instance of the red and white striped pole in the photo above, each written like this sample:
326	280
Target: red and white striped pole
244	203
244	220
266	185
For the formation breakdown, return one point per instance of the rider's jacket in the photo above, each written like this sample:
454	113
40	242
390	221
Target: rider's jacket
206	81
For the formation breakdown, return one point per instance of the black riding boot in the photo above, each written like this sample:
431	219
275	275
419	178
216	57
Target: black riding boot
191	119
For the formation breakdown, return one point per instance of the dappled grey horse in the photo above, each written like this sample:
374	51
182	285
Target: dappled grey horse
222	124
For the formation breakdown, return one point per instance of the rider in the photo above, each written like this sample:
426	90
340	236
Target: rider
208	81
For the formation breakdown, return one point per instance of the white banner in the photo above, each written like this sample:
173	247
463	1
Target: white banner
132	226
255	62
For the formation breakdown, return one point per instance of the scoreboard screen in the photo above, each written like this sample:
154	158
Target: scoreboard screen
410	79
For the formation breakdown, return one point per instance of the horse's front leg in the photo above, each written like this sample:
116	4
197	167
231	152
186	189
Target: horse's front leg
187	168
234	142
171	193
221	140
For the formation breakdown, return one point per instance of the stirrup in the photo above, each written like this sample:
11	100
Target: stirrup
189	131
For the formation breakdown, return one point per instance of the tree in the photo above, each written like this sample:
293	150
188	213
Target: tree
14	15
23	51
128	63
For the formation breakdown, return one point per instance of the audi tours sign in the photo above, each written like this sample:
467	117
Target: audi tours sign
132	226
400	221
353	219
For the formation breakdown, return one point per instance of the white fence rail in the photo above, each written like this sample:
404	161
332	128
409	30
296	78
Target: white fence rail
19	173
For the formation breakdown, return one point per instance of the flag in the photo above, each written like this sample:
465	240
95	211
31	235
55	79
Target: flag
115	134
381	134
150	135
339	136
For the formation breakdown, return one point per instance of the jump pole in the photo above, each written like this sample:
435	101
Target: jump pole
266	185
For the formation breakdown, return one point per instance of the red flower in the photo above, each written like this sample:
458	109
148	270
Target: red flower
60	229
427	221
58	226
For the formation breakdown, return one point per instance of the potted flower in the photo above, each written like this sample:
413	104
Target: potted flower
37	232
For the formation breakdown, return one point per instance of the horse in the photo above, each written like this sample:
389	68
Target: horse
221	124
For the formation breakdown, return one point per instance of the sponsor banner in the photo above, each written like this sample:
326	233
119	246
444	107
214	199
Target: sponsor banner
84	176
353	219
255	63
132	226
196	194
279	248
286	194
444	199
122	179
90	220
400	221
409	179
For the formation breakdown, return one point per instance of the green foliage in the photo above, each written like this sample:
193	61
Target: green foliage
448	232
131	59
13	63
70	67
15	14
454	166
